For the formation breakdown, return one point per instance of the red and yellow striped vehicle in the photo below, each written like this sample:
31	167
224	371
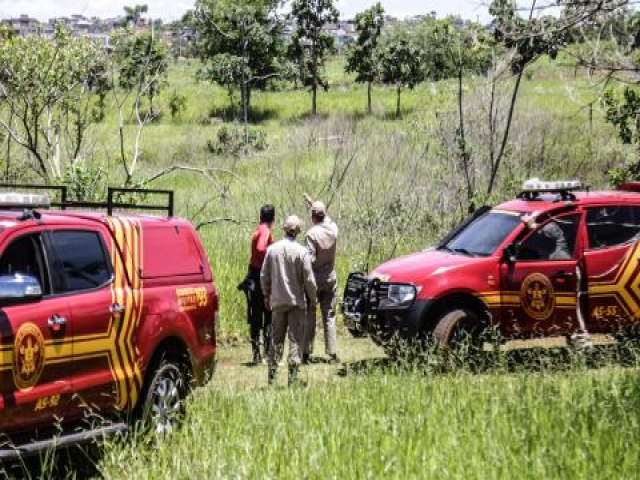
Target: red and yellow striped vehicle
103	318
558	260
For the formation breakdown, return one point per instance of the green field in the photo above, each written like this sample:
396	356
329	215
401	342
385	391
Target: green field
539	416
394	186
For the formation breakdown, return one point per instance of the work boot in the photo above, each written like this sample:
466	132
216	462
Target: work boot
306	358
272	376
257	358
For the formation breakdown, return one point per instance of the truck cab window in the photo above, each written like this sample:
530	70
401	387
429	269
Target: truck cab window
555	240
81	260
24	257
611	225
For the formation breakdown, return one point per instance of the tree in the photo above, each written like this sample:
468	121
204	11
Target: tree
401	64
530	37
311	43
362	58
623	112
139	66
241	44
47	85
454	49
133	15
142	58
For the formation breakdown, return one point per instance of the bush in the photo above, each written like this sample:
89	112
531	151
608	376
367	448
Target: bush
231	141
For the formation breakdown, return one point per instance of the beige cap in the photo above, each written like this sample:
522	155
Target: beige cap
292	224
318	208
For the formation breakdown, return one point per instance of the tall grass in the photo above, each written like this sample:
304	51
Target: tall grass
406	424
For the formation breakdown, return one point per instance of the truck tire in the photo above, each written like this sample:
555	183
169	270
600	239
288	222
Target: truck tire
459	329
164	397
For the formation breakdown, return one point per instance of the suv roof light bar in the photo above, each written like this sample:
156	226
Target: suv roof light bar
113	199
531	189
27	201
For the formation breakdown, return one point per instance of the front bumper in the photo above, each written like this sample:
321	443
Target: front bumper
368	311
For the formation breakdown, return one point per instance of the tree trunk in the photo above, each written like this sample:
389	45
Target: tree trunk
8	160
462	142
505	136
369	98
399	91
245	113
314	85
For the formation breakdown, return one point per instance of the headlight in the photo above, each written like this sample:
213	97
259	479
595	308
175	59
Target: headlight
400	294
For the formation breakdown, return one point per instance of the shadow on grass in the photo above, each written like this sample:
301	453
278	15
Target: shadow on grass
71	462
541	359
256	115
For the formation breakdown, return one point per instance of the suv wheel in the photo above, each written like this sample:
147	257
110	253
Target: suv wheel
461	330
164	401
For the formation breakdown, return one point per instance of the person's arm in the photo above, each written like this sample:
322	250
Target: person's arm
308	199
309	279
265	279
312	249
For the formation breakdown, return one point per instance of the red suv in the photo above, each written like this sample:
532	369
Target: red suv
553	262
102	318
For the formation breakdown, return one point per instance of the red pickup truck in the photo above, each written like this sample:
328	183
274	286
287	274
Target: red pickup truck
102	316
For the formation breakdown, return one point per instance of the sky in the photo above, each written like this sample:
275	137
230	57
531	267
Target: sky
173	9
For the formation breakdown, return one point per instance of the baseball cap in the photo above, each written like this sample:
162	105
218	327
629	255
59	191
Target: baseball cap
318	208
292	224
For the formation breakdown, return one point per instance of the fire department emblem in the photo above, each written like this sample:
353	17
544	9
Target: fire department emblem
28	356
537	296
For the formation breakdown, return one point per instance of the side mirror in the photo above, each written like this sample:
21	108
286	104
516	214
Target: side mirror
511	252
19	288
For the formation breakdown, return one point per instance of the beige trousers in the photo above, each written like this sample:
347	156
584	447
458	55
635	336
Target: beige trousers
285	320
327	302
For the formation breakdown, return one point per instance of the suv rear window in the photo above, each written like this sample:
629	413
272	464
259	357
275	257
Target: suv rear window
80	260
612	225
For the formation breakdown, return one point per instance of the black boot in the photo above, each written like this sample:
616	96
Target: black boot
272	376
293	375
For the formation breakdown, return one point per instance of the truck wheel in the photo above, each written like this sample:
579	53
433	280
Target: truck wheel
461	330
164	398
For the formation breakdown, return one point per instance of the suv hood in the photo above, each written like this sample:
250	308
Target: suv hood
420	266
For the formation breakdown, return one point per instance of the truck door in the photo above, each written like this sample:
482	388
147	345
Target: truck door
85	277
612	261
539	289
35	350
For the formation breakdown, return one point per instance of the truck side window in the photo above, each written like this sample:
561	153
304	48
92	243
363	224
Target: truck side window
81	260
24	256
609	226
555	240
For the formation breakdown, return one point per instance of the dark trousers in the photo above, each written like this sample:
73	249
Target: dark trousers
259	317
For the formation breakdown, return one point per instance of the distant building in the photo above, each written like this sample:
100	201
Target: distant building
23	26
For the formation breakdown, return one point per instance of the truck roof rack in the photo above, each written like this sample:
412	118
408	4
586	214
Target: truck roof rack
113	202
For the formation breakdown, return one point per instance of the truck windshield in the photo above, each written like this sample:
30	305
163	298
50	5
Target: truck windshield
484	235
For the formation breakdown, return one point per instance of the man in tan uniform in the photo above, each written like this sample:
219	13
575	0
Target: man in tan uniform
321	242
288	285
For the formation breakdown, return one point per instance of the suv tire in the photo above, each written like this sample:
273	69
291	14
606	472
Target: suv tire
459	330
163	404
